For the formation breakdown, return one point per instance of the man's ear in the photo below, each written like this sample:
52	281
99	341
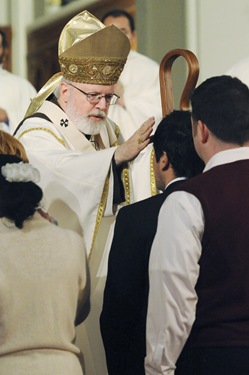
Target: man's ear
64	91
164	161
203	131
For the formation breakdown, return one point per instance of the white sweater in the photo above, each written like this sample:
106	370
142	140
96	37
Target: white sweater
43	279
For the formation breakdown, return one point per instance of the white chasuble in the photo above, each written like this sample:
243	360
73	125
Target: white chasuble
78	189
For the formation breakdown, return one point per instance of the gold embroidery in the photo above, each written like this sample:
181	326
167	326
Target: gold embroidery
125	172
100	213
126	182
43	129
93	70
117	132
153	187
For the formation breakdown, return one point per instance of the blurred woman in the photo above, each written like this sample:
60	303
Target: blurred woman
44	288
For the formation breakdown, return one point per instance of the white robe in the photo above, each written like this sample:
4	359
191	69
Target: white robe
15	95
141	92
73	177
240	70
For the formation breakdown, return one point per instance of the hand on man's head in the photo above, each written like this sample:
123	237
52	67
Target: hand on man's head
135	144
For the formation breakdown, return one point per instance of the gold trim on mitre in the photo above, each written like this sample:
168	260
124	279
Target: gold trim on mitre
98	59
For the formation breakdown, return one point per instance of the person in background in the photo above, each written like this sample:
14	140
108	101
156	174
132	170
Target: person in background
198	311
123	316
44	287
138	85
15	92
139	91
69	138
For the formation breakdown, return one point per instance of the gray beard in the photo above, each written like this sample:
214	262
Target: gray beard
87	126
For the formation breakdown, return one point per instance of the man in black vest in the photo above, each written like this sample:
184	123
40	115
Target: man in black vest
124	311
198	311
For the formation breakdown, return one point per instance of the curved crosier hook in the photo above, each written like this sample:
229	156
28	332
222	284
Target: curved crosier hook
167	97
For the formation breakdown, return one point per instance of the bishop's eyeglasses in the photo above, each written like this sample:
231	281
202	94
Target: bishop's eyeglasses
95	98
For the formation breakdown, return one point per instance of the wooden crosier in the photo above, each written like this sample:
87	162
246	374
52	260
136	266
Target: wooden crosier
165	76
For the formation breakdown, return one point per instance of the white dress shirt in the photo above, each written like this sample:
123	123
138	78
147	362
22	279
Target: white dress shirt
173	272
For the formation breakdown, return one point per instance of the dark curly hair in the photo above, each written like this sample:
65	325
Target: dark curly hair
18	200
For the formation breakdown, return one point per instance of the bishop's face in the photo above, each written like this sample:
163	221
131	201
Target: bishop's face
88	116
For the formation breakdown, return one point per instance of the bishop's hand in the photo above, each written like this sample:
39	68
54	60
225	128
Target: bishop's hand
135	144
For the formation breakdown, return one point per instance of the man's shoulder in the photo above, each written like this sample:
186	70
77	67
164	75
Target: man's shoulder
143	206
149	204
48	113
17	79
7	74
37	122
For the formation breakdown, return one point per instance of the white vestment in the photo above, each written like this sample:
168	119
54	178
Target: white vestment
15	96
141	93
240	70
77	182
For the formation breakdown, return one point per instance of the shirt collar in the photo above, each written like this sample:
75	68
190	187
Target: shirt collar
175	179
227	156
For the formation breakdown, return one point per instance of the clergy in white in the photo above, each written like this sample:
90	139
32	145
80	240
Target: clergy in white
69	138
15	93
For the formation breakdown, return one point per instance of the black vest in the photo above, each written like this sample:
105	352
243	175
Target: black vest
222	313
